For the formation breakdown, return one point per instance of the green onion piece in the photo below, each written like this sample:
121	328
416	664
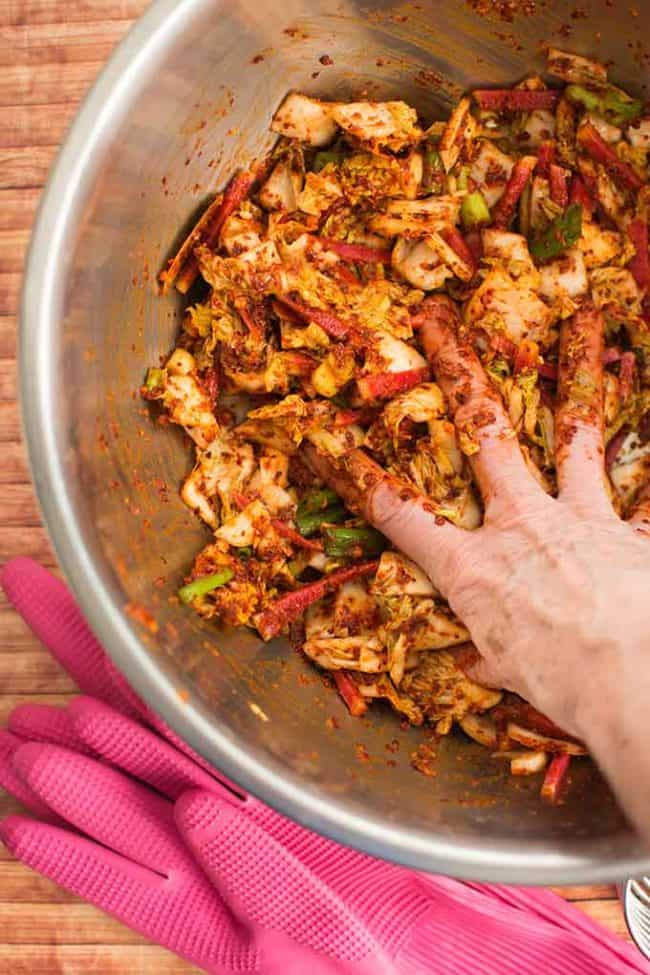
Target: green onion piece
322	159
591	100
610	103
245	551
318	500
474	210
355	543
204	585
462	180
155	379
309	522
341	400
432	171
498	369
433	159
561	234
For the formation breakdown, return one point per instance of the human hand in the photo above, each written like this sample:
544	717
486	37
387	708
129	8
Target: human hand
220	878
553	591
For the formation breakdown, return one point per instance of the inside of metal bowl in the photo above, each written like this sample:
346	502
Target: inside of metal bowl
186	100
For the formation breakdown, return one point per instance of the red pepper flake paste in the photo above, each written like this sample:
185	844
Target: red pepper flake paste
426	77
325	59
504	9
142	616
362	753
423	760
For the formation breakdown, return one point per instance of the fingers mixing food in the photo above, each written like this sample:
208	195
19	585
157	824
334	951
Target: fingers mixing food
424	329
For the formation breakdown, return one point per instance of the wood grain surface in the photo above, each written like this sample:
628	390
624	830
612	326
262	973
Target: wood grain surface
50	53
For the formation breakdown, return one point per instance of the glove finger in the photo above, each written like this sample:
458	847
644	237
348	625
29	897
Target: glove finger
46	723
189	919
134	707
122	695
13	784
137	750
71	860
49	609
263	881
380	894
163	729
99	801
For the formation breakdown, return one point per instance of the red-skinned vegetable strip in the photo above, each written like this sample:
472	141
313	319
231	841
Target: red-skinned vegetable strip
346	275
184	268
545	156
385	385
330	323
295	537
639	265
515	99
578	193
645	310
350	693
527	716
345	417
474	243
546	397
614	447
298	363
505	346
612	354
288	608
236	192
554	778
252	315
626	372
453	237
626	359
356	252
211	383
504	210
526	356
595	146
282	310
586	187
547	370
558	178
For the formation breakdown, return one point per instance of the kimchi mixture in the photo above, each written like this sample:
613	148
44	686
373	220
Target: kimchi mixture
299	355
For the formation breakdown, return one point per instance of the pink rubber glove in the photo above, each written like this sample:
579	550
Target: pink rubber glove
289	901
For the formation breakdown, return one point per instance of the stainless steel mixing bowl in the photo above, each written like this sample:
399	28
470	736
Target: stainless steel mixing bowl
185	99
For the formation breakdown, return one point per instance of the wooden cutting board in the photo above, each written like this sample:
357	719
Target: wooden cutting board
50	53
